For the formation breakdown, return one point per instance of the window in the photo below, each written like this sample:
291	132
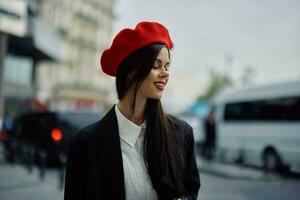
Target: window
277	109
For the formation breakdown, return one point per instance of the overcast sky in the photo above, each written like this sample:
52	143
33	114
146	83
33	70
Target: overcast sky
224	35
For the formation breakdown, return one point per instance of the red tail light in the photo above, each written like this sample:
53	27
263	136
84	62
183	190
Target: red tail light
56	135
3	135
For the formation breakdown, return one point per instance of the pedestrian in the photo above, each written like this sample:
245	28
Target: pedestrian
136	151
209	146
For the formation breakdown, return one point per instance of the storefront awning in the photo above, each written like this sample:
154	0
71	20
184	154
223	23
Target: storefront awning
79	93
40	42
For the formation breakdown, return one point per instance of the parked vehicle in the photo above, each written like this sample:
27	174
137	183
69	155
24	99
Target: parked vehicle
45	135
260	126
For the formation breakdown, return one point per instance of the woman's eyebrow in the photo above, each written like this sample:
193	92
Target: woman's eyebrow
160	61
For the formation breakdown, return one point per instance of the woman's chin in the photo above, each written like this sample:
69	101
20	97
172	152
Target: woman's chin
156	97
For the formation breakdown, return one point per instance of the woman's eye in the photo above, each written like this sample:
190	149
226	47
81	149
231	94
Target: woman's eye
155	67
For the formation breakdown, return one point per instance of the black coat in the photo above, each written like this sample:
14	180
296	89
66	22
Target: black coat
95	168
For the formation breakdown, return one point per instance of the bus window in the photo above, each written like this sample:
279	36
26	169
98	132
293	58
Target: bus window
277	109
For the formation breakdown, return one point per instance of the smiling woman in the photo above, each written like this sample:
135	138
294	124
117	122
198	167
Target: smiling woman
156	80
136	151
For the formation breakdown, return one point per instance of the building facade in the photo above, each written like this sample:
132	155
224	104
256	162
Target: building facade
24	46
76	81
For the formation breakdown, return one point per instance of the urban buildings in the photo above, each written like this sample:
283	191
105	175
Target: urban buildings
54	63
77	82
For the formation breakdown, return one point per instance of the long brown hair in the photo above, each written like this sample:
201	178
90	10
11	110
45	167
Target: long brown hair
163	151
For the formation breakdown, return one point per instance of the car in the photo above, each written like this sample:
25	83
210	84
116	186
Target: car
45	136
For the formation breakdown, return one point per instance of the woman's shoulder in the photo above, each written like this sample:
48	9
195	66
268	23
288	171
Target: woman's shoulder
97	128
85	133
179	124
183	130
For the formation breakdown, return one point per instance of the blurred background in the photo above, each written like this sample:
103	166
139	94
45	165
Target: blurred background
235	77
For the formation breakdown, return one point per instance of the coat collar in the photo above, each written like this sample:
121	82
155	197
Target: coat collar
107	127
129	132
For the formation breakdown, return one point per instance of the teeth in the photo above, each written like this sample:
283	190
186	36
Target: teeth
160	84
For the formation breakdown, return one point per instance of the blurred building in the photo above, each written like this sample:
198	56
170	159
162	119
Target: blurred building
27	42
50	55
76	82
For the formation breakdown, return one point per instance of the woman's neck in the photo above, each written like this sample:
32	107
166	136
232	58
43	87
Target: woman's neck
124	106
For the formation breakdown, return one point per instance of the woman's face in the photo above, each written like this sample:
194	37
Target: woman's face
155	82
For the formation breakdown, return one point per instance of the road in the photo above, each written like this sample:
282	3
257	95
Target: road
217	188
17	183
219	182
234	182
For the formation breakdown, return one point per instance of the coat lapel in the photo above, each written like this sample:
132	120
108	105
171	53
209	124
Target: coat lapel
110	155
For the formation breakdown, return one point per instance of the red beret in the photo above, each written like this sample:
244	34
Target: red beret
129	40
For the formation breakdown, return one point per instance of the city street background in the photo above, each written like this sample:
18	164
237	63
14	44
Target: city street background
219	182
234	77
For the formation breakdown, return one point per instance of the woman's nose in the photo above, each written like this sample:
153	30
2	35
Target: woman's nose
164	73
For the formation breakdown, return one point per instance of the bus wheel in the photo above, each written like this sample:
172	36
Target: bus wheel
271	160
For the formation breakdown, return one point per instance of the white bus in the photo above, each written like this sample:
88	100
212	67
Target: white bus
260	126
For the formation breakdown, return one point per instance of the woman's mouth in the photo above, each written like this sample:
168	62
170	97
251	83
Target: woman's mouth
160	85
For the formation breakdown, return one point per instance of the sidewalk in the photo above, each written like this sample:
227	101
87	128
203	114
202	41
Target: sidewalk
16	176
17	183
234	171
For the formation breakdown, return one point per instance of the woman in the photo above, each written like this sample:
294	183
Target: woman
136	151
